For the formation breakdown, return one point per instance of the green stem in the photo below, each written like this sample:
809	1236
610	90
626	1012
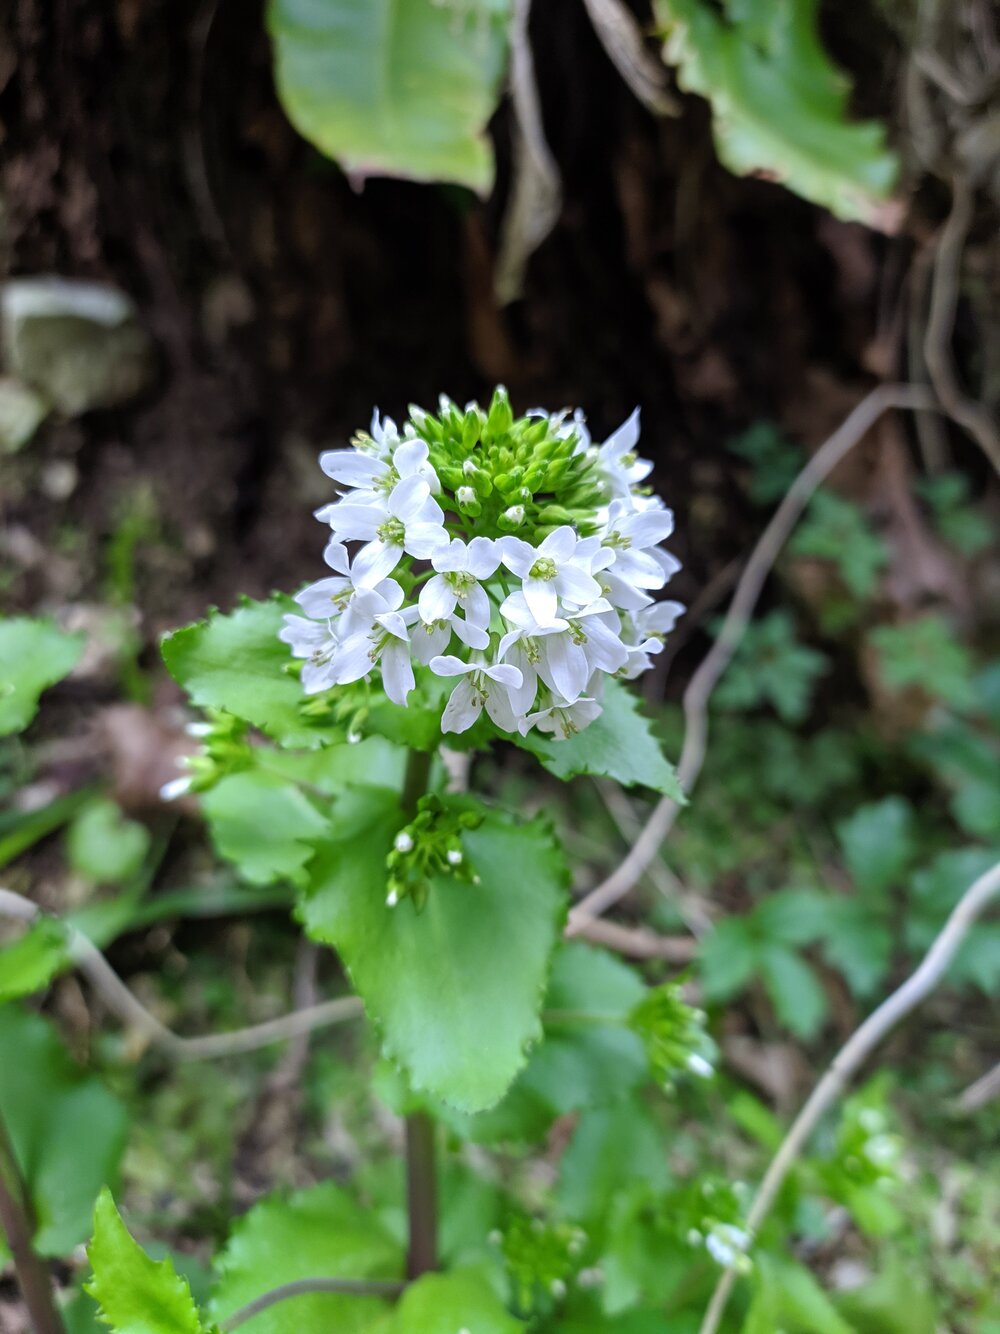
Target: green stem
421	1176
15	1216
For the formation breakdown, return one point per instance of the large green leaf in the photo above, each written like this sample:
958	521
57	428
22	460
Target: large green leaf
393	87
620	744
455	990
237	663
879	843
136	1295
451	1303
103	846
316	1233
263	825
34	655
611	1148
779	105
66	1127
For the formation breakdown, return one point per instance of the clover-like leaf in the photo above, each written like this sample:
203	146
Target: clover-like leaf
455	989
263	825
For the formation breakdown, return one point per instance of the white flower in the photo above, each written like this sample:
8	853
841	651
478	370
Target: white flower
649	627
378	636
617	461
558	568
316	642
482	686
376	477
457	582
629	534
562	718
407	519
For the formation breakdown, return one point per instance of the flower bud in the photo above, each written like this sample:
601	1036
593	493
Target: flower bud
511	518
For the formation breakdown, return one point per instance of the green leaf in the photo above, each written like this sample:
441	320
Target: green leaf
788	1297
450	1303
31	962
925	655
103	846
263	825
935	890
455	990
315	1233
727	958
582	1061
775	460
858	942
772	667
393	87
620	744
137	1295
879	843
836	530
237	663
34	654
779	105
66	1127
798	998
611	1148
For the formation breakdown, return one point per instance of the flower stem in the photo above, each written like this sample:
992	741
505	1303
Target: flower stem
15	1216
421	1175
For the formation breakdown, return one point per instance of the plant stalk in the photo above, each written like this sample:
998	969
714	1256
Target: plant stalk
16	1219
421	1173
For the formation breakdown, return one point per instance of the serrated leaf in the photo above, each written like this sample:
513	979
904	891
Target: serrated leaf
620	744
136	1295
779	104
263	825
34	654
878	843
393	87
237	663
925	655
66	1127
456	989
581	1062
31	962
450	1303
315	1233
103	846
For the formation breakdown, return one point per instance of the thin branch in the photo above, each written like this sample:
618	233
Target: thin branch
984	1090
119	999
856	1050
17	1225
699	690
304	1287
941	322
624	41
638	942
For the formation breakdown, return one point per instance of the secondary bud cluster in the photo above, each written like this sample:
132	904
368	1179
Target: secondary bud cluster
430	845
512	555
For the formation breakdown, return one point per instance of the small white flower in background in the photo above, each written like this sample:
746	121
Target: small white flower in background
525	560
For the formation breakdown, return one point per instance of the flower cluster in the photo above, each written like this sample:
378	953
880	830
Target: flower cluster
515	557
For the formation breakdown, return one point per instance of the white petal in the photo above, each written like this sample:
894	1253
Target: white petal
472	635
374	562
452	557
462	709
351	468
559	545
523	696
624	439
499	708
355	523
568	665
540	595
517	555
397	672
477	606
321	599
437	600
429	641
409	458
335	555
646	530
409	497
425	539
352	660
394	623
483	557
448	665
504	673
575	585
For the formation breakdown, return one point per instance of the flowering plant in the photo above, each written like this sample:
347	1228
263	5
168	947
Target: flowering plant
513	556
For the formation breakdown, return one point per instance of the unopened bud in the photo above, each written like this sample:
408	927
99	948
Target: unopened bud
403	842
454	857
512	517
